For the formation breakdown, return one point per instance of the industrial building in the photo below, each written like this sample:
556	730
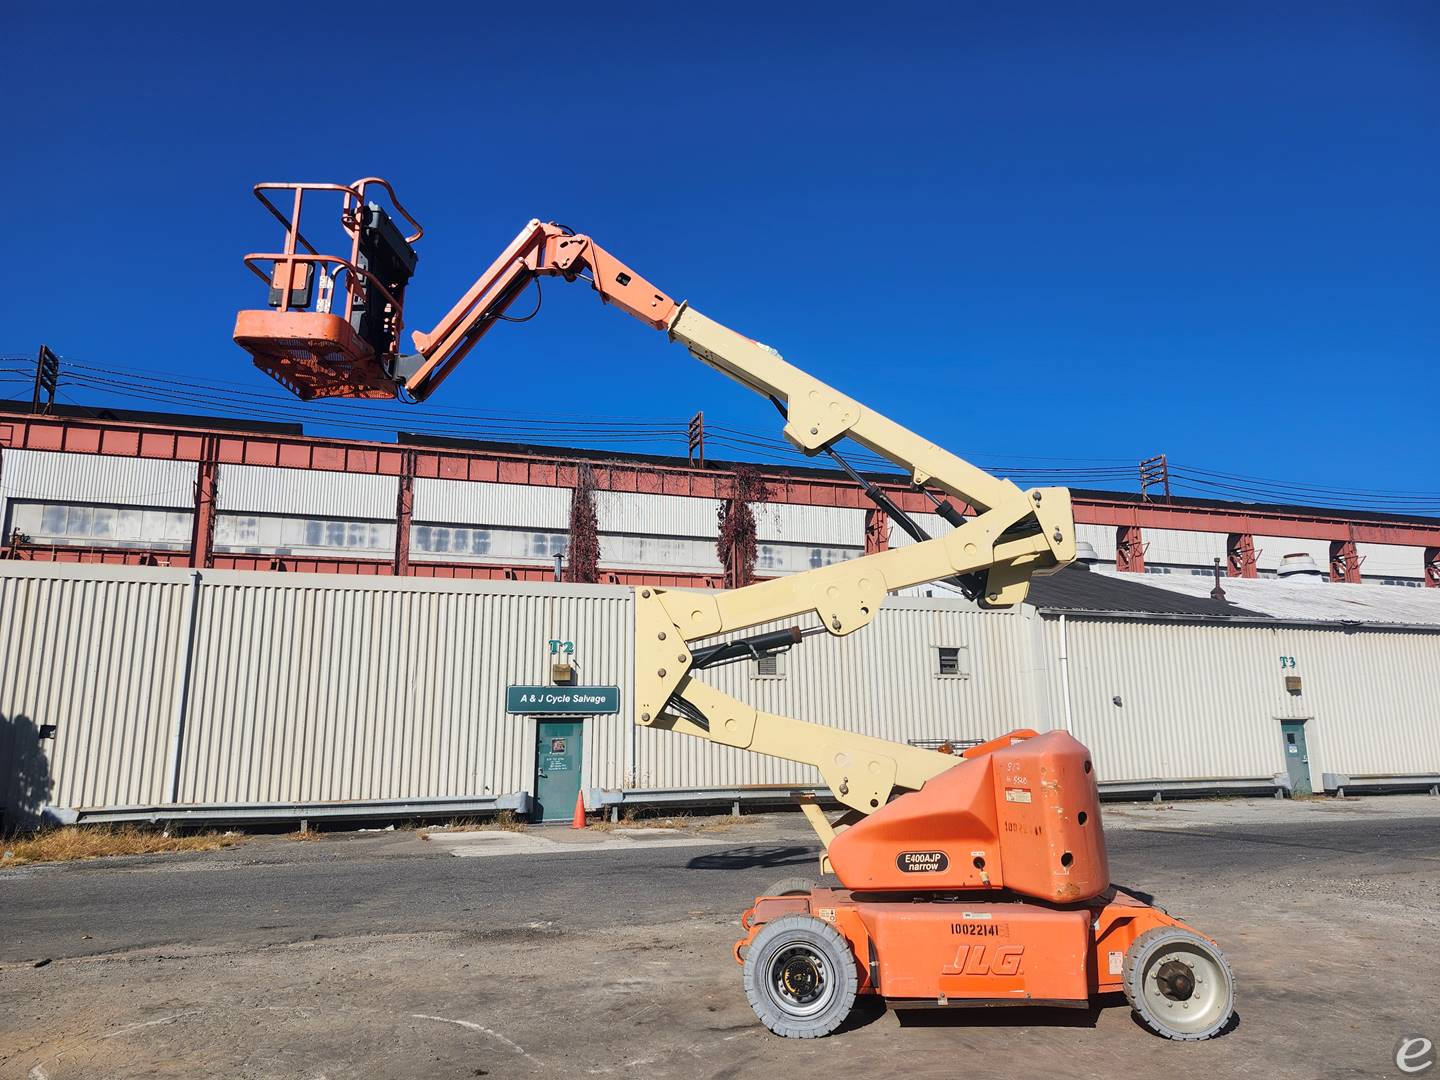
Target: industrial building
141	489
403	587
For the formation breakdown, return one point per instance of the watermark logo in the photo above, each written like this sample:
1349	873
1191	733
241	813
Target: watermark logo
1415	1055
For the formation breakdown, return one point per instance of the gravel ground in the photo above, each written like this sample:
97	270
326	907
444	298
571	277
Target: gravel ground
381	955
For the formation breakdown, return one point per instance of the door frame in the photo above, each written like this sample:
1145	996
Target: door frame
578	720
1307	724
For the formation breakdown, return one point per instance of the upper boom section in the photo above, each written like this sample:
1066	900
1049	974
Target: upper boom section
541	250
317	353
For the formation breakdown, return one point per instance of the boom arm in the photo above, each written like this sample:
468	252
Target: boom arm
1012	535
1015	533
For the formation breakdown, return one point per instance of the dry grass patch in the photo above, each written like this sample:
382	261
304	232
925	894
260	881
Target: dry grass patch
74	842
718	823
642	819
503	821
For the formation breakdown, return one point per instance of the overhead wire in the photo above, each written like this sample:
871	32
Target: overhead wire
243	400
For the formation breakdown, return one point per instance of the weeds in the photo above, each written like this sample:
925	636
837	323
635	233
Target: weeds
503	821
72	842
640	819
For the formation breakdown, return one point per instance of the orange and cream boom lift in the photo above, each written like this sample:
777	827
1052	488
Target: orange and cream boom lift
977	880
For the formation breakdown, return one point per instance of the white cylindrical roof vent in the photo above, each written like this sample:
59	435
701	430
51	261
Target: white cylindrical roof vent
1299	566
1085	553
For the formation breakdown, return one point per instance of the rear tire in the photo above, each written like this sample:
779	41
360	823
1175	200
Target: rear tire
800	977
791	886
1179	984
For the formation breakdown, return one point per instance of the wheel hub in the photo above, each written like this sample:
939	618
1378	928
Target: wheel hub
1176	980
800	977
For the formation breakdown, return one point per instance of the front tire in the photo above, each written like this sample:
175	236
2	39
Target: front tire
1179	984
800	977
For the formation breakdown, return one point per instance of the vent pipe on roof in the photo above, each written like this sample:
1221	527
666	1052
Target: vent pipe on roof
1299	566
1085	554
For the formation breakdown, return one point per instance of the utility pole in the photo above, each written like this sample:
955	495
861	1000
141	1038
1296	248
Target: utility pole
697	438
47	377
1154	472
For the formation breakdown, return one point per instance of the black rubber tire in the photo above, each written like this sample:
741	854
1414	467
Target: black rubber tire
1137	962
824	942
791	886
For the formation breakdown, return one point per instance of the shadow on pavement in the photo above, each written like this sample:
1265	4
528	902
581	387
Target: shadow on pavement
750	856
1012	1017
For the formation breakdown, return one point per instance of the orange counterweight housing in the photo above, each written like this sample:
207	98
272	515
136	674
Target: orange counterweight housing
1020	813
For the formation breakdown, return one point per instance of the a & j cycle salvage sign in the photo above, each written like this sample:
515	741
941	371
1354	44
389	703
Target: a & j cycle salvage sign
587	700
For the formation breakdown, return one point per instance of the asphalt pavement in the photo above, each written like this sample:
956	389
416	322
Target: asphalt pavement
377	948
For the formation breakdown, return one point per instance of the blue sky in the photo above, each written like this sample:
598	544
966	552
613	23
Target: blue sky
1043	233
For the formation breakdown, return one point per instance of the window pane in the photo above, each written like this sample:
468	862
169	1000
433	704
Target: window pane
127	524
53	521
26	517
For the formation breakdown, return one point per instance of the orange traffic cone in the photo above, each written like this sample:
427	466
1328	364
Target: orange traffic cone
578	821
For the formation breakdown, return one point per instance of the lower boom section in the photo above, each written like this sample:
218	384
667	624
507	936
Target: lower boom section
807	955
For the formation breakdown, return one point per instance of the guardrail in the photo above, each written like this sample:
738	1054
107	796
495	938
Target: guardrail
242	813
1379	784
735	799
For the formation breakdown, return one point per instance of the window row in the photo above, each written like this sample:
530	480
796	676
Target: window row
678	553
73	525
272	534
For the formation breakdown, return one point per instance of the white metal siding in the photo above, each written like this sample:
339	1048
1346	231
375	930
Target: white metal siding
1205	701
468	502
792	523
656	515
47	476
311	688
95	654
1100	537
261	489
933	524
1181	547
1391	560
317	691
880	681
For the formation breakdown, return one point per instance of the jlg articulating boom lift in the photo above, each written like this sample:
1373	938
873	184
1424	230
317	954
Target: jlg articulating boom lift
981	880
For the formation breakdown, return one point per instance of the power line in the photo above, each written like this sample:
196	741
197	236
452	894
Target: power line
242	400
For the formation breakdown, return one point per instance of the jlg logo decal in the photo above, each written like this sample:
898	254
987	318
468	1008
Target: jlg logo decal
986	960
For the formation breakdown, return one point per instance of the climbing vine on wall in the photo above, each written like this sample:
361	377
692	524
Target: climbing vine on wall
736	544
584	553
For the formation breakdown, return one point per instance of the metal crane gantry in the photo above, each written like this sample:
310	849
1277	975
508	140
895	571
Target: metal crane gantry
977	880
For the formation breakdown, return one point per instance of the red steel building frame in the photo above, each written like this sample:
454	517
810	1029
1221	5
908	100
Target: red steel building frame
543	467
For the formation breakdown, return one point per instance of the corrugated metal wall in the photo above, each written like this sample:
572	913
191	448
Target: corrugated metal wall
305	688
260	489
1206	701
96	655
308	692
1183	547
881	681
95	478
310	688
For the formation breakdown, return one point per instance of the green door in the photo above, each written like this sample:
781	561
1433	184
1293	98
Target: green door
557	769
1297	757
